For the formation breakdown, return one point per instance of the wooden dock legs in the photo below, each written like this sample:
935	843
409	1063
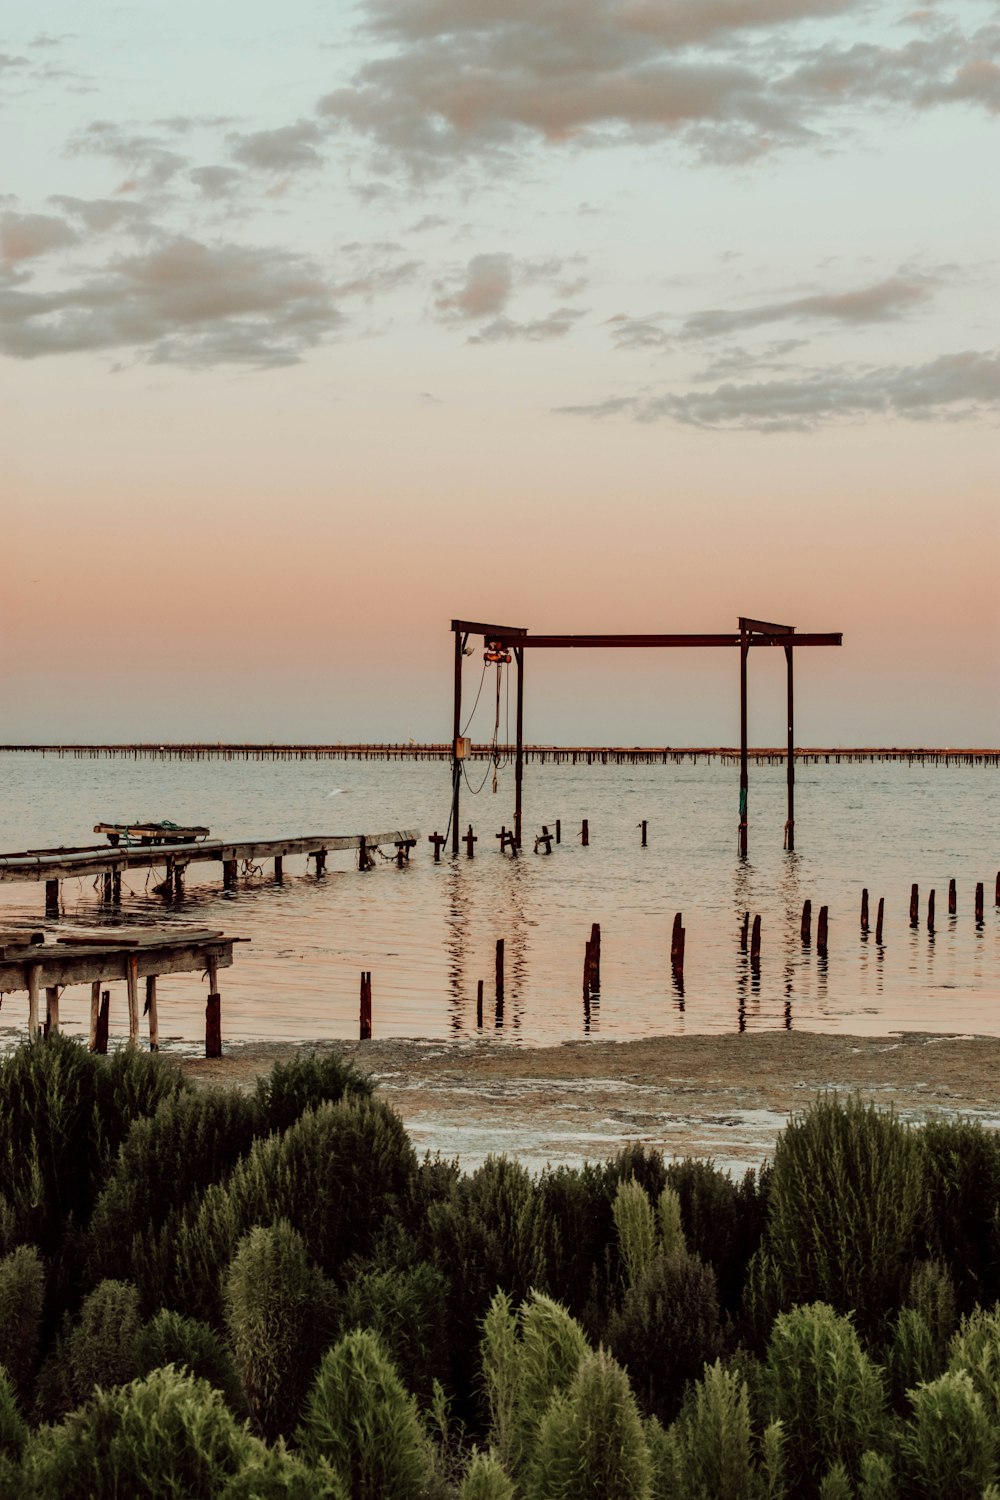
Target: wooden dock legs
51	1009
95	1002
101	1029
132	985
365	1020
213	1026
33	991
228	874
279	869
52	898
150	1010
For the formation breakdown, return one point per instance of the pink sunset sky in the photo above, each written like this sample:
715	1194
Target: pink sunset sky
322	325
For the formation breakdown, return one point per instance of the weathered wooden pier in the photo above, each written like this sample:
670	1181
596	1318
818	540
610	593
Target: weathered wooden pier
109	861
97	958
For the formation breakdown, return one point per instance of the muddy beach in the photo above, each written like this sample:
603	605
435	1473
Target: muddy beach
725	1097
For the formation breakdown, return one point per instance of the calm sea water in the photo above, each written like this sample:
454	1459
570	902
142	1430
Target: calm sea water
428	932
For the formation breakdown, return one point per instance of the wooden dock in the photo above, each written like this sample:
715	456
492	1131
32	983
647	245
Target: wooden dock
98	957
588	755
109	861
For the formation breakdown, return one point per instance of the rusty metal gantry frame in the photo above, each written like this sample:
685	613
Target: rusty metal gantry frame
750	633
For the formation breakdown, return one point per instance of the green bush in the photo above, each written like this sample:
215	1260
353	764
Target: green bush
667	1329
591	1444
360	1419
962	1175
13	1430
912	1355
22	1296
291	1088
573	1236
276	1474
161	1438
170	1339
277	1313
527	1358
485	1479
827	1393
949	1447
876	1480
723	1221
408	1309
846	1208
636	1228
715	1446
338	1176
836	1484
975	1349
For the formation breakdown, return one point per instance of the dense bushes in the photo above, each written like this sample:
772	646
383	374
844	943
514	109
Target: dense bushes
266	1295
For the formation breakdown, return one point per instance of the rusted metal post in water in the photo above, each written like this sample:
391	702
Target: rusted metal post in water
914	905
879	920
479	1005
821	931
519	748
744	762
755	943
805	926
642	825
930	912
677	946
470	840
499	973
456	767
864	910
585	833
437	839
979	903
952	898
365	1017
790	775
744	931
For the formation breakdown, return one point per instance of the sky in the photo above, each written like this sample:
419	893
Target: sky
321	325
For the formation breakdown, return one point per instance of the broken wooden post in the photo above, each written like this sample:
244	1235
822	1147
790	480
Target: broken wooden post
213	1025
437	839
864	910
479	1005
51	1009
642	825
545	840
403	847
320	863
179	882
132	986
952	898
106	887
879	919
996	901
914	905
101	1029
470	840
979	903
677	946
499	974
585	833
365	1019
116	887
821	931
592	960
150	1010
805	927
755	943
95	1002
930	912
52	898
279	869
507	841
559	841
228	874
744	931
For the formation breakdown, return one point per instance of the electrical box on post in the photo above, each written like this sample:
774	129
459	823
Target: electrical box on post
463	747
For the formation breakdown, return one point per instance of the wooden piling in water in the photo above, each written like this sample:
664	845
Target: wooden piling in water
996	901
470	840
755	943
930	912
864	910
52	898
95	1003
103	1021
559	841
914	905
150	1010
479	1005
365	1015
585	833
499	972
952	898
642	825
879	920
132	987
213	1026
821	931
677	940
744	932
437	839
979	903
279	869
51	1009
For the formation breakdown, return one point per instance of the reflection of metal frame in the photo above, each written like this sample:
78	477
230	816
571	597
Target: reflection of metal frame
512	640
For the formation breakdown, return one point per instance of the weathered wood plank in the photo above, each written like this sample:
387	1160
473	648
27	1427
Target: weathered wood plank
53	964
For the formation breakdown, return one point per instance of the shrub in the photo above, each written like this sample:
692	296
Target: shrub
98	1350
975	1349
195	1138
573	1234
876	1481
962	1175
827	1393
527	1358
591	1444
291	1088
170	1339
162	1437
836	1484
13	1430
950	1445
22	1294
361	1420
714	1439
408	1309
276	1314
723	1221
485	1479
276	1474
846	1208
635	1225
667	1329
913	1355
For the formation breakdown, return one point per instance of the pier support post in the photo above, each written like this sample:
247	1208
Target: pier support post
822	929
744	761
132	984
228	874
51	1009
864	910
519	749
34	985
979	903
95	1004
805	927
365	1015
279	869
456	765
880	920
320	862
790	818
116	887
151	1010
52	898
103	1019
213	1011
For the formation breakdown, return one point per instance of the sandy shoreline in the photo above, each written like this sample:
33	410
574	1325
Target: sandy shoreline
720	1096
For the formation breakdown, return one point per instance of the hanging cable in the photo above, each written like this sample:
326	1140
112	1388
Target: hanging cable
476	704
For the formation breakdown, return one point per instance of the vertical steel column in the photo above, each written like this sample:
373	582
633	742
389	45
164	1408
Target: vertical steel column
744	764
519	753
456	769
790	824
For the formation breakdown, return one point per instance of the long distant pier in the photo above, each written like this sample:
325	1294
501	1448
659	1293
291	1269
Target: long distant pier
587	755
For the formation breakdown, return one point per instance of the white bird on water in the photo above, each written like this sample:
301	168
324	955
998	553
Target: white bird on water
338	791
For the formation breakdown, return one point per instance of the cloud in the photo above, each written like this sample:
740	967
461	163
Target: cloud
103	214
485	290
729	78
637	333
953	387
183	302
148	162
882	302
25	236
290	148
535	331
215	181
